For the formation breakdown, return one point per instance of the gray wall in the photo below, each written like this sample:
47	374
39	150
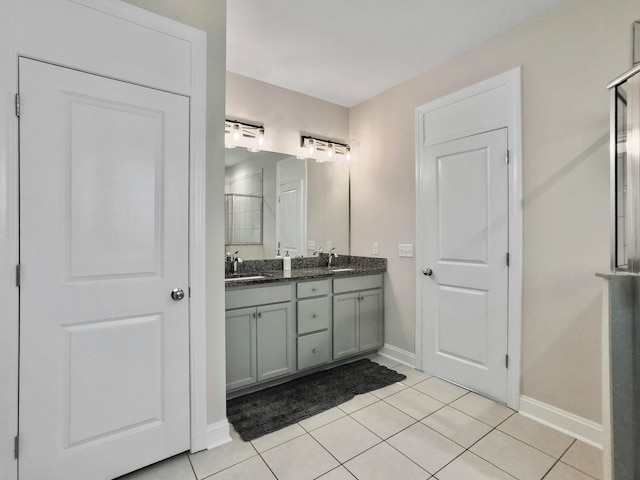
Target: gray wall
567	57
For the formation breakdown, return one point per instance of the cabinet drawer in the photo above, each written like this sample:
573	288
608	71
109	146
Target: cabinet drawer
353	284
248	297
313	314
313	350
313	289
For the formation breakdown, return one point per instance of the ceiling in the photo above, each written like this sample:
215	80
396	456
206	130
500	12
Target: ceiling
346	51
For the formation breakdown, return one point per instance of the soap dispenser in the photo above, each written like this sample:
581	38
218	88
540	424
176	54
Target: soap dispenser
278	254
286	262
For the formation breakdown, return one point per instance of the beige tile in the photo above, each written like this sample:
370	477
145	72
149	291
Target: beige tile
278	437
174	468
254	468
300	459
358	402
384	361
562	471
513	456
440	390
413	376
384	392
321	419
426	447
345	438
339	473
458	426
536	434
212	461
383	419
383	462
485	410
471	467
414	403
585	458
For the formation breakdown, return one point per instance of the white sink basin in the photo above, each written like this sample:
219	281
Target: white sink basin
336	270
244	279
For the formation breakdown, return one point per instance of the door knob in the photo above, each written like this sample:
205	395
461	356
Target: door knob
177	294
427	271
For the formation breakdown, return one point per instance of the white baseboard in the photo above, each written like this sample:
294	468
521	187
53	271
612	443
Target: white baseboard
398	354
218	434
563	421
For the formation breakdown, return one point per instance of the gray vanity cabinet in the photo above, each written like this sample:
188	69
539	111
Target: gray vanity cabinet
274	335
314	322
260	340
241	347
357	315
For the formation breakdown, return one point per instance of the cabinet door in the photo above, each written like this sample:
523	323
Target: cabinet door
345	325
241	347
370	319
275	341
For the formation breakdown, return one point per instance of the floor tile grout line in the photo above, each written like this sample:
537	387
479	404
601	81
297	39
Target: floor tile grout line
573	466
195	475
269	466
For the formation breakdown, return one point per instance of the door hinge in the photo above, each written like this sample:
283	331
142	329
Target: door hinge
508	259
16	447
18	275
18	105
506	156
506	361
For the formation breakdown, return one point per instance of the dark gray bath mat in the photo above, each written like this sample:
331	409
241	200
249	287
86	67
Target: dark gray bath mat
268	410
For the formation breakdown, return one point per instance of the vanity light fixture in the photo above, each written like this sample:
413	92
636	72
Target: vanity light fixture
330	149
238	130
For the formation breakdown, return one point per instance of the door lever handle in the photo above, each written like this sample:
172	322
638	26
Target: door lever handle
427	271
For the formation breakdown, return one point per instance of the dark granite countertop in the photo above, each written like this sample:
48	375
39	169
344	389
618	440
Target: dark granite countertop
303	269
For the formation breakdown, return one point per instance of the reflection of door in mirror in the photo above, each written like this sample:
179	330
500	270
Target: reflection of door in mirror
291	209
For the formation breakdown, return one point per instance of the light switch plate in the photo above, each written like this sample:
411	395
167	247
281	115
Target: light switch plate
311	245
405	250
376	249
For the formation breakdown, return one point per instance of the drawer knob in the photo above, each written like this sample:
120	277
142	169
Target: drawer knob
314	289
314	315
315	350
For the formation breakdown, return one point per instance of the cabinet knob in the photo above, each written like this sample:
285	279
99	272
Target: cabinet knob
314	315
314	289
315	350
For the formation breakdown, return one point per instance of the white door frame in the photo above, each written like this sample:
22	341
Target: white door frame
491	104
19	37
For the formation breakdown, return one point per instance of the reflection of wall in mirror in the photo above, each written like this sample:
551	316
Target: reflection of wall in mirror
328	206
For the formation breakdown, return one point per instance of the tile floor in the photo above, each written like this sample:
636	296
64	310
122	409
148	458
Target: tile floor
423	428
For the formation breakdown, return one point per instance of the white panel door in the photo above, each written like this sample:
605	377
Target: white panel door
464	196
291	210
104	365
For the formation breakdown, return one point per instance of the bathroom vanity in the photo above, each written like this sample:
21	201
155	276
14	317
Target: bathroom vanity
279	324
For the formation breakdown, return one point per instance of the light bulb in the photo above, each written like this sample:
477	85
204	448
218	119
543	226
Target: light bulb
261	136
347	155
330	150
311	146
236	132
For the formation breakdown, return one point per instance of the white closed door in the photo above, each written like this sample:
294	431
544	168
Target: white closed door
104	349
291	210
464	284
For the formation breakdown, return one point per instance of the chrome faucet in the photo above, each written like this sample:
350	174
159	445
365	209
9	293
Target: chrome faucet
332	255
236	261
318	252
